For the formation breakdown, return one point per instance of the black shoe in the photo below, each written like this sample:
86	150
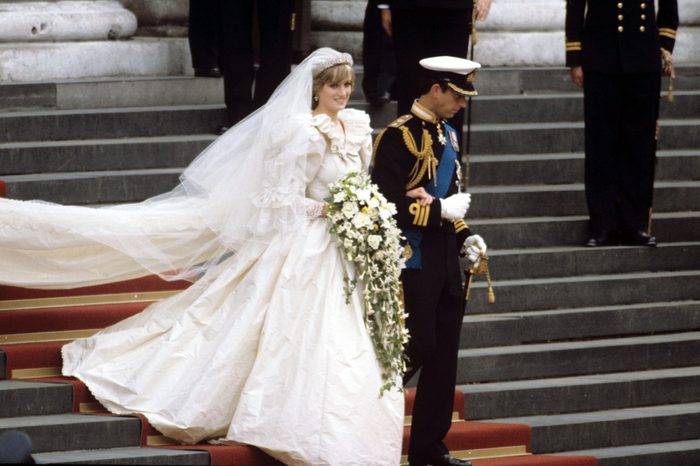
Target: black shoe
449	460
601	239
638	238
213	72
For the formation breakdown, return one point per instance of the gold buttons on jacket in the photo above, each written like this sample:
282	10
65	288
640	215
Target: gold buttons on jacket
644	17
619	6
620	28
619	17
643	6
642	29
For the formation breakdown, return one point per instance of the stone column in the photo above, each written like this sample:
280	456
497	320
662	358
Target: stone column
160	18
76	39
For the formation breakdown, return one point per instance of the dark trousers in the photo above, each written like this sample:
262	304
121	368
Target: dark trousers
224	30
426	32
377	55
435	304
621	112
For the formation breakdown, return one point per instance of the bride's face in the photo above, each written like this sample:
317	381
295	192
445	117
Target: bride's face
334	97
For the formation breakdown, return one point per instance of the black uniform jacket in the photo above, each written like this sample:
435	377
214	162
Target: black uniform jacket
619	36
403	155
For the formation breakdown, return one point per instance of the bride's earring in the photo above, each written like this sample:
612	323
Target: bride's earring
316	98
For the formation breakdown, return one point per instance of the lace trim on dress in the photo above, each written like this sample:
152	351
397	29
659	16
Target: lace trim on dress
357	130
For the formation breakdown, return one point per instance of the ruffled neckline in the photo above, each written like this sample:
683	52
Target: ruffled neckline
357	129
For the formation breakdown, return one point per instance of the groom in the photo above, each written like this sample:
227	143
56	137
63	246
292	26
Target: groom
416	166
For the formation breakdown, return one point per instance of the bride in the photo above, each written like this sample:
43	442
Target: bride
263	348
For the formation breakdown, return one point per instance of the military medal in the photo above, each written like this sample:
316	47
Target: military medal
453	141
441	135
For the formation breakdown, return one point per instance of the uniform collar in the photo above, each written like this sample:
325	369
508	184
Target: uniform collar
423	113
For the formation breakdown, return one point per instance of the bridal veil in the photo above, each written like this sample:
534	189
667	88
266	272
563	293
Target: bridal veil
246	186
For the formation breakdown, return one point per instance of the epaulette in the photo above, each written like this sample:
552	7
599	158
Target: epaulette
400	121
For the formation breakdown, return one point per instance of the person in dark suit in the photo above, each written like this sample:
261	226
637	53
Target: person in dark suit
614	50
416	166
377	56
426	28
221	35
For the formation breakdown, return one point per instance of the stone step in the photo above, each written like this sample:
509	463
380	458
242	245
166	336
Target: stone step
111	123
20	158
93	187
569	199
18	398
510	48
528	232
65	432
574	323
128	185
529	108
679	453
52	61
603	289
564	107
581	393
528	138
564	168
126	455
561	359
139	91
126	91
507	264
612	428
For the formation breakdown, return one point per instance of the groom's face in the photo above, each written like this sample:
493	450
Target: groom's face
448	103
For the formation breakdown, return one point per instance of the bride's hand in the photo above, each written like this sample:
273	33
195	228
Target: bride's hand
422	194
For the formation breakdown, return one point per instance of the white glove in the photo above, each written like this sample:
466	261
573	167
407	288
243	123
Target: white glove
455	207
473	247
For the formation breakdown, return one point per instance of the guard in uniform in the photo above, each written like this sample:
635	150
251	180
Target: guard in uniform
614	49
416	166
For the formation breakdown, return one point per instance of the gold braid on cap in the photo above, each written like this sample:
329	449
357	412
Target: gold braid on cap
426	158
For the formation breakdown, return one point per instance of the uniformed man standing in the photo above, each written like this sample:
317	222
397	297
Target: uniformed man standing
426	28
416	166
617	53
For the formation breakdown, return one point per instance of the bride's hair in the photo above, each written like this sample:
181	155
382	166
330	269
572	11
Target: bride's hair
336	74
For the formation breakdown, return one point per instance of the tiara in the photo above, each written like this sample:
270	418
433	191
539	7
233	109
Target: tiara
339	59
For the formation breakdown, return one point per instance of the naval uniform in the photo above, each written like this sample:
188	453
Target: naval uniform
617	42
426	28
418	150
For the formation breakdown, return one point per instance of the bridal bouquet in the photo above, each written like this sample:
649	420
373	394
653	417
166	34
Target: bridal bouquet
362	221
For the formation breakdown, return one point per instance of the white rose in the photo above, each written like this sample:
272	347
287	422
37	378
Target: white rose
339	196
349	209
374	241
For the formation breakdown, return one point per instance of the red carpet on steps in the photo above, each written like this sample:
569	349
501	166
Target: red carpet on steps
538	460
68	317
464	435
148	283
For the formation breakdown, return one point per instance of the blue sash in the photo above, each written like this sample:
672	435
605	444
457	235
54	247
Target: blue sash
437	188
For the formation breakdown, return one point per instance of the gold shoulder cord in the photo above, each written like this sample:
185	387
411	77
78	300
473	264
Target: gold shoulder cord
426	158
394	124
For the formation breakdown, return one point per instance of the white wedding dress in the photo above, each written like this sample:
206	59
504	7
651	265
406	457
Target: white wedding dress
262	350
